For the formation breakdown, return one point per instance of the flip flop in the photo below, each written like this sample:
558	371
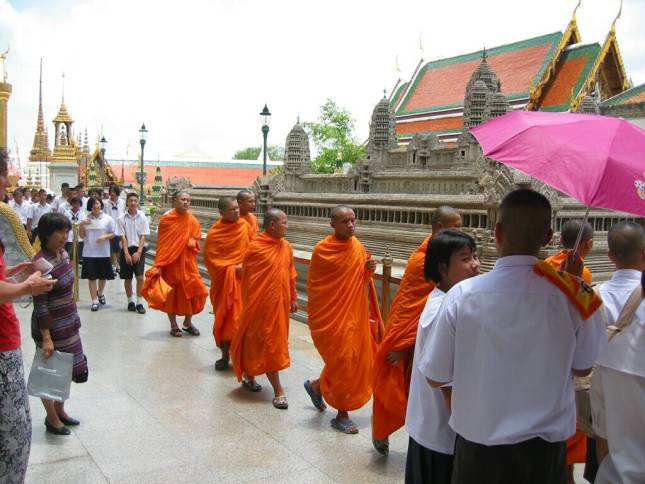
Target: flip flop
252	385
192	330
345	426
316	399
176	332
381	446
281	402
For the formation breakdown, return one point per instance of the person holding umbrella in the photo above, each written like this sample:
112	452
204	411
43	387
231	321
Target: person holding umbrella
509	341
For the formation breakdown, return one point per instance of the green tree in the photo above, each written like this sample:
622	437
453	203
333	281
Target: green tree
275	152
333	132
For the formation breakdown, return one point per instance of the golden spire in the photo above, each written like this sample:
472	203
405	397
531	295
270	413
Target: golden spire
63	116
40	150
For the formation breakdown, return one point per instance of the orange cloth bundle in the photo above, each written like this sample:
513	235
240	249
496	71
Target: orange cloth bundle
339	319
392	382
176	268
224	249
558	259
585	300
261	344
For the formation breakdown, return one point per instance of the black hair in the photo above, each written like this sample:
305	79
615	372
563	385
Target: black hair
132	194
441	248
50	223
570	229
115	189
4	161
93	201
76	200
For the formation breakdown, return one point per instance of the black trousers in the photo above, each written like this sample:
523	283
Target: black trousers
426	466
533	461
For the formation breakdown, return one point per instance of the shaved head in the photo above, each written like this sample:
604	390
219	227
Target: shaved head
243	195
524	224
224	202
445	217
271	215
339	211
569	232
626	242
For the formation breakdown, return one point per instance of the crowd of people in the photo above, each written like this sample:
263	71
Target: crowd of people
508	376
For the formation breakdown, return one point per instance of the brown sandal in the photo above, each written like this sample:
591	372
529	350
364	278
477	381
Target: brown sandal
176	332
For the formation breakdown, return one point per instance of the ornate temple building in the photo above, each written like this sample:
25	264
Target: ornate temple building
420	154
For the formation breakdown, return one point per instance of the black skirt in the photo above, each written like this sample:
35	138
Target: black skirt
97	268
426	466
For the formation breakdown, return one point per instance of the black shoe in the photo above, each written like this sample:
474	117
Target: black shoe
131	306
95	307
141	309
56	431
102	300
69	421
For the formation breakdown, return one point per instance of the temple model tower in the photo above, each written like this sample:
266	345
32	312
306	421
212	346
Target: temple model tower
40	155
64	164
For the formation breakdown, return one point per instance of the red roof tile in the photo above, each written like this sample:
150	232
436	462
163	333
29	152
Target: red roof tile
441	124
223	176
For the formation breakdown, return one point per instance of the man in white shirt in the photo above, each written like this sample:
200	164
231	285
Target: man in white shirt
37	210
59	199
20	206
451	257
510	342
132	228
80	193
626	241
618	393
75	215
114	207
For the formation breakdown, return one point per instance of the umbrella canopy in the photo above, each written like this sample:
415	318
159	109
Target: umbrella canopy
598	160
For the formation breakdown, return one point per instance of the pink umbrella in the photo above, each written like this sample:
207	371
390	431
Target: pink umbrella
598	160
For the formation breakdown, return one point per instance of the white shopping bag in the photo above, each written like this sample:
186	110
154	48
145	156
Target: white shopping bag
51	378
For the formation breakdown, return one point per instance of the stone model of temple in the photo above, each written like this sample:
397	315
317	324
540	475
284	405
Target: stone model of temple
420	154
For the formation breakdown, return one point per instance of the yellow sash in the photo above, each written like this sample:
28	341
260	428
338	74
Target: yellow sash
584	299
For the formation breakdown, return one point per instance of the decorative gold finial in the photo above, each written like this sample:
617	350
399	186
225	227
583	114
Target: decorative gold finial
387	258
3	58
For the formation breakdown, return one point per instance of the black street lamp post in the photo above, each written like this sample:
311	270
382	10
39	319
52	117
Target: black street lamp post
143	134
101	171
265	115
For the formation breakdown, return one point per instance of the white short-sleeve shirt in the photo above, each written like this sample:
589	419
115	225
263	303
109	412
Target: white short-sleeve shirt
132	227
616	291
100	226
427	417
75	218
36	211
114	209
21	210
508	341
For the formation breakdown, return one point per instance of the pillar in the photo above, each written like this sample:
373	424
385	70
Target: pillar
5	92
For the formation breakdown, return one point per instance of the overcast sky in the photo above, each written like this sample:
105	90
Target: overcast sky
198	72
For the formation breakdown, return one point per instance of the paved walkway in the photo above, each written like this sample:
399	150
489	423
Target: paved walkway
154	410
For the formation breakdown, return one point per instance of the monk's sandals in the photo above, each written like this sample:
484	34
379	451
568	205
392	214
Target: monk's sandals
381	446
281	402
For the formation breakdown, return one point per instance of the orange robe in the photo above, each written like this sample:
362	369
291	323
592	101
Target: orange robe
577	443
392	383
225	246
344	320
252	220
268	287
173	284
556	261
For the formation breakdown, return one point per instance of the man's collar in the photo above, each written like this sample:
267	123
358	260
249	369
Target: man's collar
515	260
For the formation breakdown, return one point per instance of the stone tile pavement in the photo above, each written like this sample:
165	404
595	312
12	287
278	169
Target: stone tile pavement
155	411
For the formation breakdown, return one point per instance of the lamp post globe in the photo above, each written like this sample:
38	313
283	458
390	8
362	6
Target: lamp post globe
143	135
265	116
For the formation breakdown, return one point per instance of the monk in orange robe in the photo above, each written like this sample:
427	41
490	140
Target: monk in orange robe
577	443
393	360
344	320
226	244
173	284
261	345
246	202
